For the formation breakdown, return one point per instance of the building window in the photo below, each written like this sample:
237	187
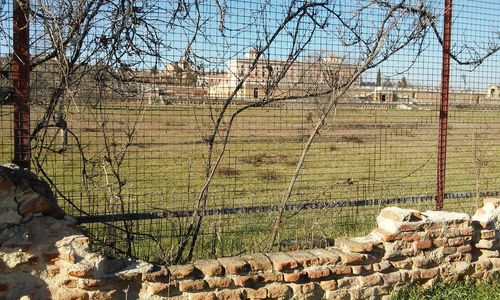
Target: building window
256	93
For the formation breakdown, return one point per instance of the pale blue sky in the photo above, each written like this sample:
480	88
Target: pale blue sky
475	23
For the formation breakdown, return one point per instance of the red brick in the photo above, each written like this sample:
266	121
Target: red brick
371	280
282	261
231	294
325	256
341	270
304	258
329	285
256	294
402	264
385	235
317	274
234	265
449	250
181	271
439	242
209	267
203	296
270	277
220	283
245	281
258	262
422	245
410	237
295	276
278	291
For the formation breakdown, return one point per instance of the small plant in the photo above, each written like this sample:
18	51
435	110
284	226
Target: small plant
227	171
268	175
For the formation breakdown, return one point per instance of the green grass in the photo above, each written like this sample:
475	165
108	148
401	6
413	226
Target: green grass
466	290
362	154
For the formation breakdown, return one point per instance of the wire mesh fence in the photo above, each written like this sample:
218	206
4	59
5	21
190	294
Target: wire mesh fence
191	129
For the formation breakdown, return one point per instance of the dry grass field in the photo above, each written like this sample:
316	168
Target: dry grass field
360	153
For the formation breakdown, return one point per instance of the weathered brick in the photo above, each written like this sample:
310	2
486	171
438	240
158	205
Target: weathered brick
192	285
338	295
295	276
156	288
488	234
270	277
440	242
246	281
458	241
429	273
466	231
374	292
402	264
329	285
452	232
449	250
234	265
422	245
391	278
360	245
325	256
219	282
160	275
209	267
345	270
260	293
231	294
385	235
371	280
278	290
258	262
383	266
411	236
282	261
318	274
351	258
182	271
304	258
464	249
423	262
362	269
80	270
347	281
305	288
203	296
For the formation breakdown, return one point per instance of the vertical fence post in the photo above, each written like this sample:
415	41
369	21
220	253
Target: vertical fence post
443	112
20	81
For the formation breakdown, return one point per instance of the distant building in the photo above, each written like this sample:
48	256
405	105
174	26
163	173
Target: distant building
280	78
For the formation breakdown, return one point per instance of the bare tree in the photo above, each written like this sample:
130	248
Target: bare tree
107	42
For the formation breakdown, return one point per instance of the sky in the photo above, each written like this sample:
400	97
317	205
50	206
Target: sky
246	22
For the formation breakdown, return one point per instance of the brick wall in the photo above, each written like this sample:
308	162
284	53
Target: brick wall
43	255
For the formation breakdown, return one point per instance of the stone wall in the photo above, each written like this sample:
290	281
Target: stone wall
43	255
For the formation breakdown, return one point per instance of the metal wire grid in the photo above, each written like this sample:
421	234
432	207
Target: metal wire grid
137	143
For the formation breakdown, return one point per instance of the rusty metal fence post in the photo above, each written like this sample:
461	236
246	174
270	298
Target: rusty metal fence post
443	111
20	81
